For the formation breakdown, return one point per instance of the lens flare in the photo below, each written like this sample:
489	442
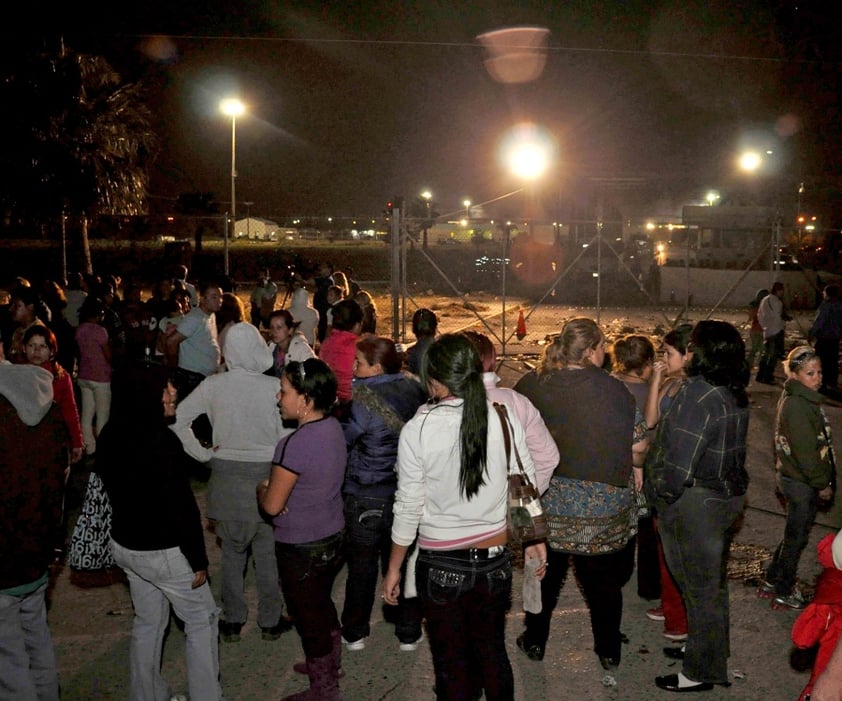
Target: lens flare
527	151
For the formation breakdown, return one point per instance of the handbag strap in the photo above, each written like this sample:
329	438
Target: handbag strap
507	440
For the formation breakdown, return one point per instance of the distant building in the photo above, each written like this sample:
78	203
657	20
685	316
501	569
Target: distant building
735	237
257	229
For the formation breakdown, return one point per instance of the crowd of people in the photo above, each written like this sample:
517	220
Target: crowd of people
328	446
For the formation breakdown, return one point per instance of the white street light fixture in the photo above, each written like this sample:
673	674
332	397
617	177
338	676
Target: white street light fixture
527	151
427	196
750	161
233	108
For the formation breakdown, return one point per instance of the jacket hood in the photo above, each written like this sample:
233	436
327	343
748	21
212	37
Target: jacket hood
793	387
245	349
300	299
29	390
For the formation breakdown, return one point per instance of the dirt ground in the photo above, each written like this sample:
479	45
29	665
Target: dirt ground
92	626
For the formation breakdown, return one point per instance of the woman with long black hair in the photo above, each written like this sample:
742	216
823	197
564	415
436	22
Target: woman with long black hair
452	494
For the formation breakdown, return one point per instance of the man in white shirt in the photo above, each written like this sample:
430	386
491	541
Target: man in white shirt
772	317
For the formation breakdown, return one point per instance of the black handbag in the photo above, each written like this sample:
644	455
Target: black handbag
526	520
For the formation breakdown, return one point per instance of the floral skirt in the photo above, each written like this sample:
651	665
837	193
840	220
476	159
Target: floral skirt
589	518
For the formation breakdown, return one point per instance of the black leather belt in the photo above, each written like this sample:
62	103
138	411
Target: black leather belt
473	554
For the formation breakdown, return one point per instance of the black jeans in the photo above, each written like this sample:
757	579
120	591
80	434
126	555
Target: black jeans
773	348
465	602
307	572
368	543
602	578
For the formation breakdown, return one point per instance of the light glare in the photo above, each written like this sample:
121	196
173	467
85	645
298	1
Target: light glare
750	161
232	107
527	151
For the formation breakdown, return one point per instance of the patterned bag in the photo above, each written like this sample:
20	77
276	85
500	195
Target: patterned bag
90	547
526	520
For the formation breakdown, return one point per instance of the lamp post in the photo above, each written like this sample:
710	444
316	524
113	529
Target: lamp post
233	108
526	152
751	162
426	196
467	204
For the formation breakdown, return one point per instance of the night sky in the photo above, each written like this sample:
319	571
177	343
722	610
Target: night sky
351	103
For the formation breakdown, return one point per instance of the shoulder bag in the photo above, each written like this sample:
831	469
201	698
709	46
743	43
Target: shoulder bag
526	520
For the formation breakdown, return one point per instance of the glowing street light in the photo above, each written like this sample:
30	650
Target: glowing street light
750	161
233	108
712	197
467	204
527	151
427	196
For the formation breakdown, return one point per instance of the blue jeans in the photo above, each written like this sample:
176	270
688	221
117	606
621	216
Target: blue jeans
368	543
308	571
158	579
238	537
602	578
465	603
27	660
802	502
694	534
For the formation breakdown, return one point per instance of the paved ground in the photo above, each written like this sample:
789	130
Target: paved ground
91	627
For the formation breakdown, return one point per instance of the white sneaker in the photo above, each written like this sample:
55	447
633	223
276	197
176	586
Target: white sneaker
355	645
411	647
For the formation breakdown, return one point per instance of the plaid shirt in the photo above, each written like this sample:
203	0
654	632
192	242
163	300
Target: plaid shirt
700	441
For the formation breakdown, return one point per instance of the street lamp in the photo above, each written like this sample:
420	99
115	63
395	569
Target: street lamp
233	108
426	196
467	204
527	152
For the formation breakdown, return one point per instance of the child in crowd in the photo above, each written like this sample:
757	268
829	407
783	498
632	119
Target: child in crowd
821	622
40	346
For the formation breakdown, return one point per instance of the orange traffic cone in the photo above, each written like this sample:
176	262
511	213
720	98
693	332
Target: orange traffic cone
521	327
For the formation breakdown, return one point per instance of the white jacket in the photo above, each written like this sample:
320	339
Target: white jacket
429	499
299	350
241	404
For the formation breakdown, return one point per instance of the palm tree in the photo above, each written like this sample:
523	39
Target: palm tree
81	141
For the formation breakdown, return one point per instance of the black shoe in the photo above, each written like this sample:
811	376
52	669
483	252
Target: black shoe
609	663
278	630
674	653
669	682
533	652
230	632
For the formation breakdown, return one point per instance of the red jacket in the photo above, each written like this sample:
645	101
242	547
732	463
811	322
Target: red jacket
64	396
821	622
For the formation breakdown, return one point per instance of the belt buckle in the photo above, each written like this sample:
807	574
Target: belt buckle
496	550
